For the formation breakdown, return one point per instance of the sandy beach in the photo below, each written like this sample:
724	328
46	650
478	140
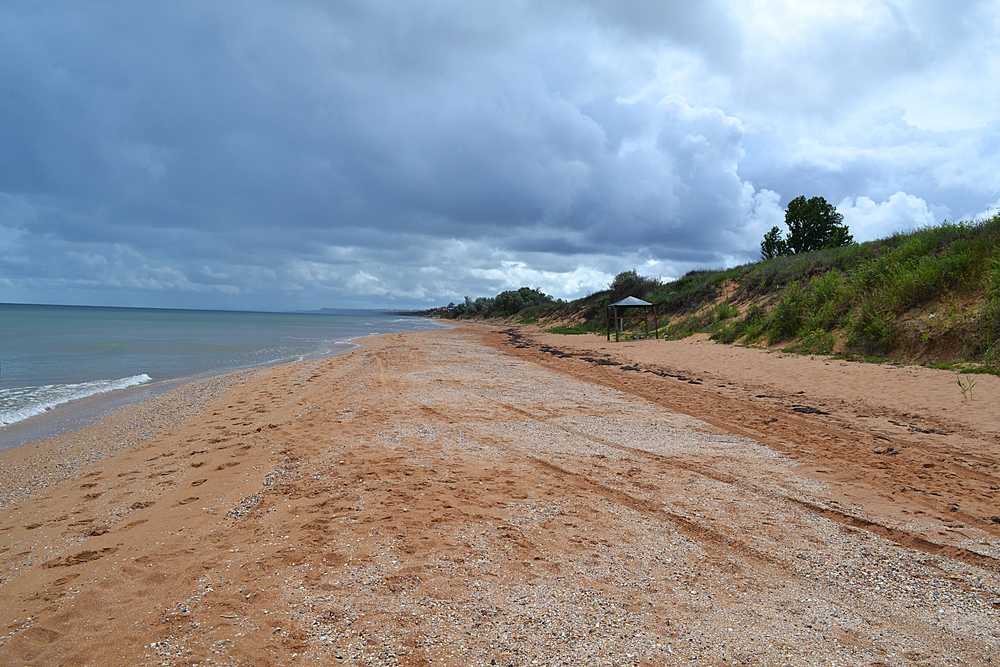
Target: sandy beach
499	496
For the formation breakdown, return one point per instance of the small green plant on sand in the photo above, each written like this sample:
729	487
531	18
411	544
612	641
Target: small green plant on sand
966	386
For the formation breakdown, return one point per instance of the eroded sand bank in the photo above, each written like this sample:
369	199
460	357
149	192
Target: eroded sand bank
469	497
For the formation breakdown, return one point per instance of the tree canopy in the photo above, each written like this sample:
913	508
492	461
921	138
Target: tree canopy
813	224
630	283
508	303
773	244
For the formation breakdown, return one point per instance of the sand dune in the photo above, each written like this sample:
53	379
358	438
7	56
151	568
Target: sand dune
481	496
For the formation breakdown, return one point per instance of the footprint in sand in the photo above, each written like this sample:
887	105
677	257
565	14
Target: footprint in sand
42	635
78	558
65	580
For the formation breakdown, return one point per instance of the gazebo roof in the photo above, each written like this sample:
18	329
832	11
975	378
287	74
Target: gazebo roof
631	301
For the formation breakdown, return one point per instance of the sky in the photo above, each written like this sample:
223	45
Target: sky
294	154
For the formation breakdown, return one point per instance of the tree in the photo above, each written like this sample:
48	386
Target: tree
630	283
813	224
512	301
773	245
841	237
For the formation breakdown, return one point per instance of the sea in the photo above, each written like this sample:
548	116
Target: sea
62	367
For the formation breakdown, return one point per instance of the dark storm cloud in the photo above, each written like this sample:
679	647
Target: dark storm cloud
302	154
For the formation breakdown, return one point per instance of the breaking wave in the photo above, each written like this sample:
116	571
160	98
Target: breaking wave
20	403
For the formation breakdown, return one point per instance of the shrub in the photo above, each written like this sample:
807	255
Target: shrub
728	334
788	314
828	300
986	337
726	310
873	331
512	302
630	283
817	341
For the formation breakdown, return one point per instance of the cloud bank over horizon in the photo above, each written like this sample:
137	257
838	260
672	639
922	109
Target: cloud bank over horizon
305	154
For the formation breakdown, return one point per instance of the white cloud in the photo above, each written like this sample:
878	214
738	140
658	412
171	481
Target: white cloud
209	273
989	212
365	283
901	212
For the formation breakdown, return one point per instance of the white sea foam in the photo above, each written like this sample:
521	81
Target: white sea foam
20	403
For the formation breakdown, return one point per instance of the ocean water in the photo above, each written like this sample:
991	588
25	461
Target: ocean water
51	356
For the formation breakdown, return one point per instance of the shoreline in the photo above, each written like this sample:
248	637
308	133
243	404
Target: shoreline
41	386
118	429
477	495
76	414
79	413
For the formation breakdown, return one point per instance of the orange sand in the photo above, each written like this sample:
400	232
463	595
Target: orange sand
480	496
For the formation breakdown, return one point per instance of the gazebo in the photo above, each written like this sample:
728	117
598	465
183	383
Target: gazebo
615	313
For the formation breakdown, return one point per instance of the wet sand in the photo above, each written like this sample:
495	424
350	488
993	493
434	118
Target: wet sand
482	496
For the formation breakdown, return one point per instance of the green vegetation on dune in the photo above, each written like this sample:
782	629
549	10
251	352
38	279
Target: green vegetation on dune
931	296
504	304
